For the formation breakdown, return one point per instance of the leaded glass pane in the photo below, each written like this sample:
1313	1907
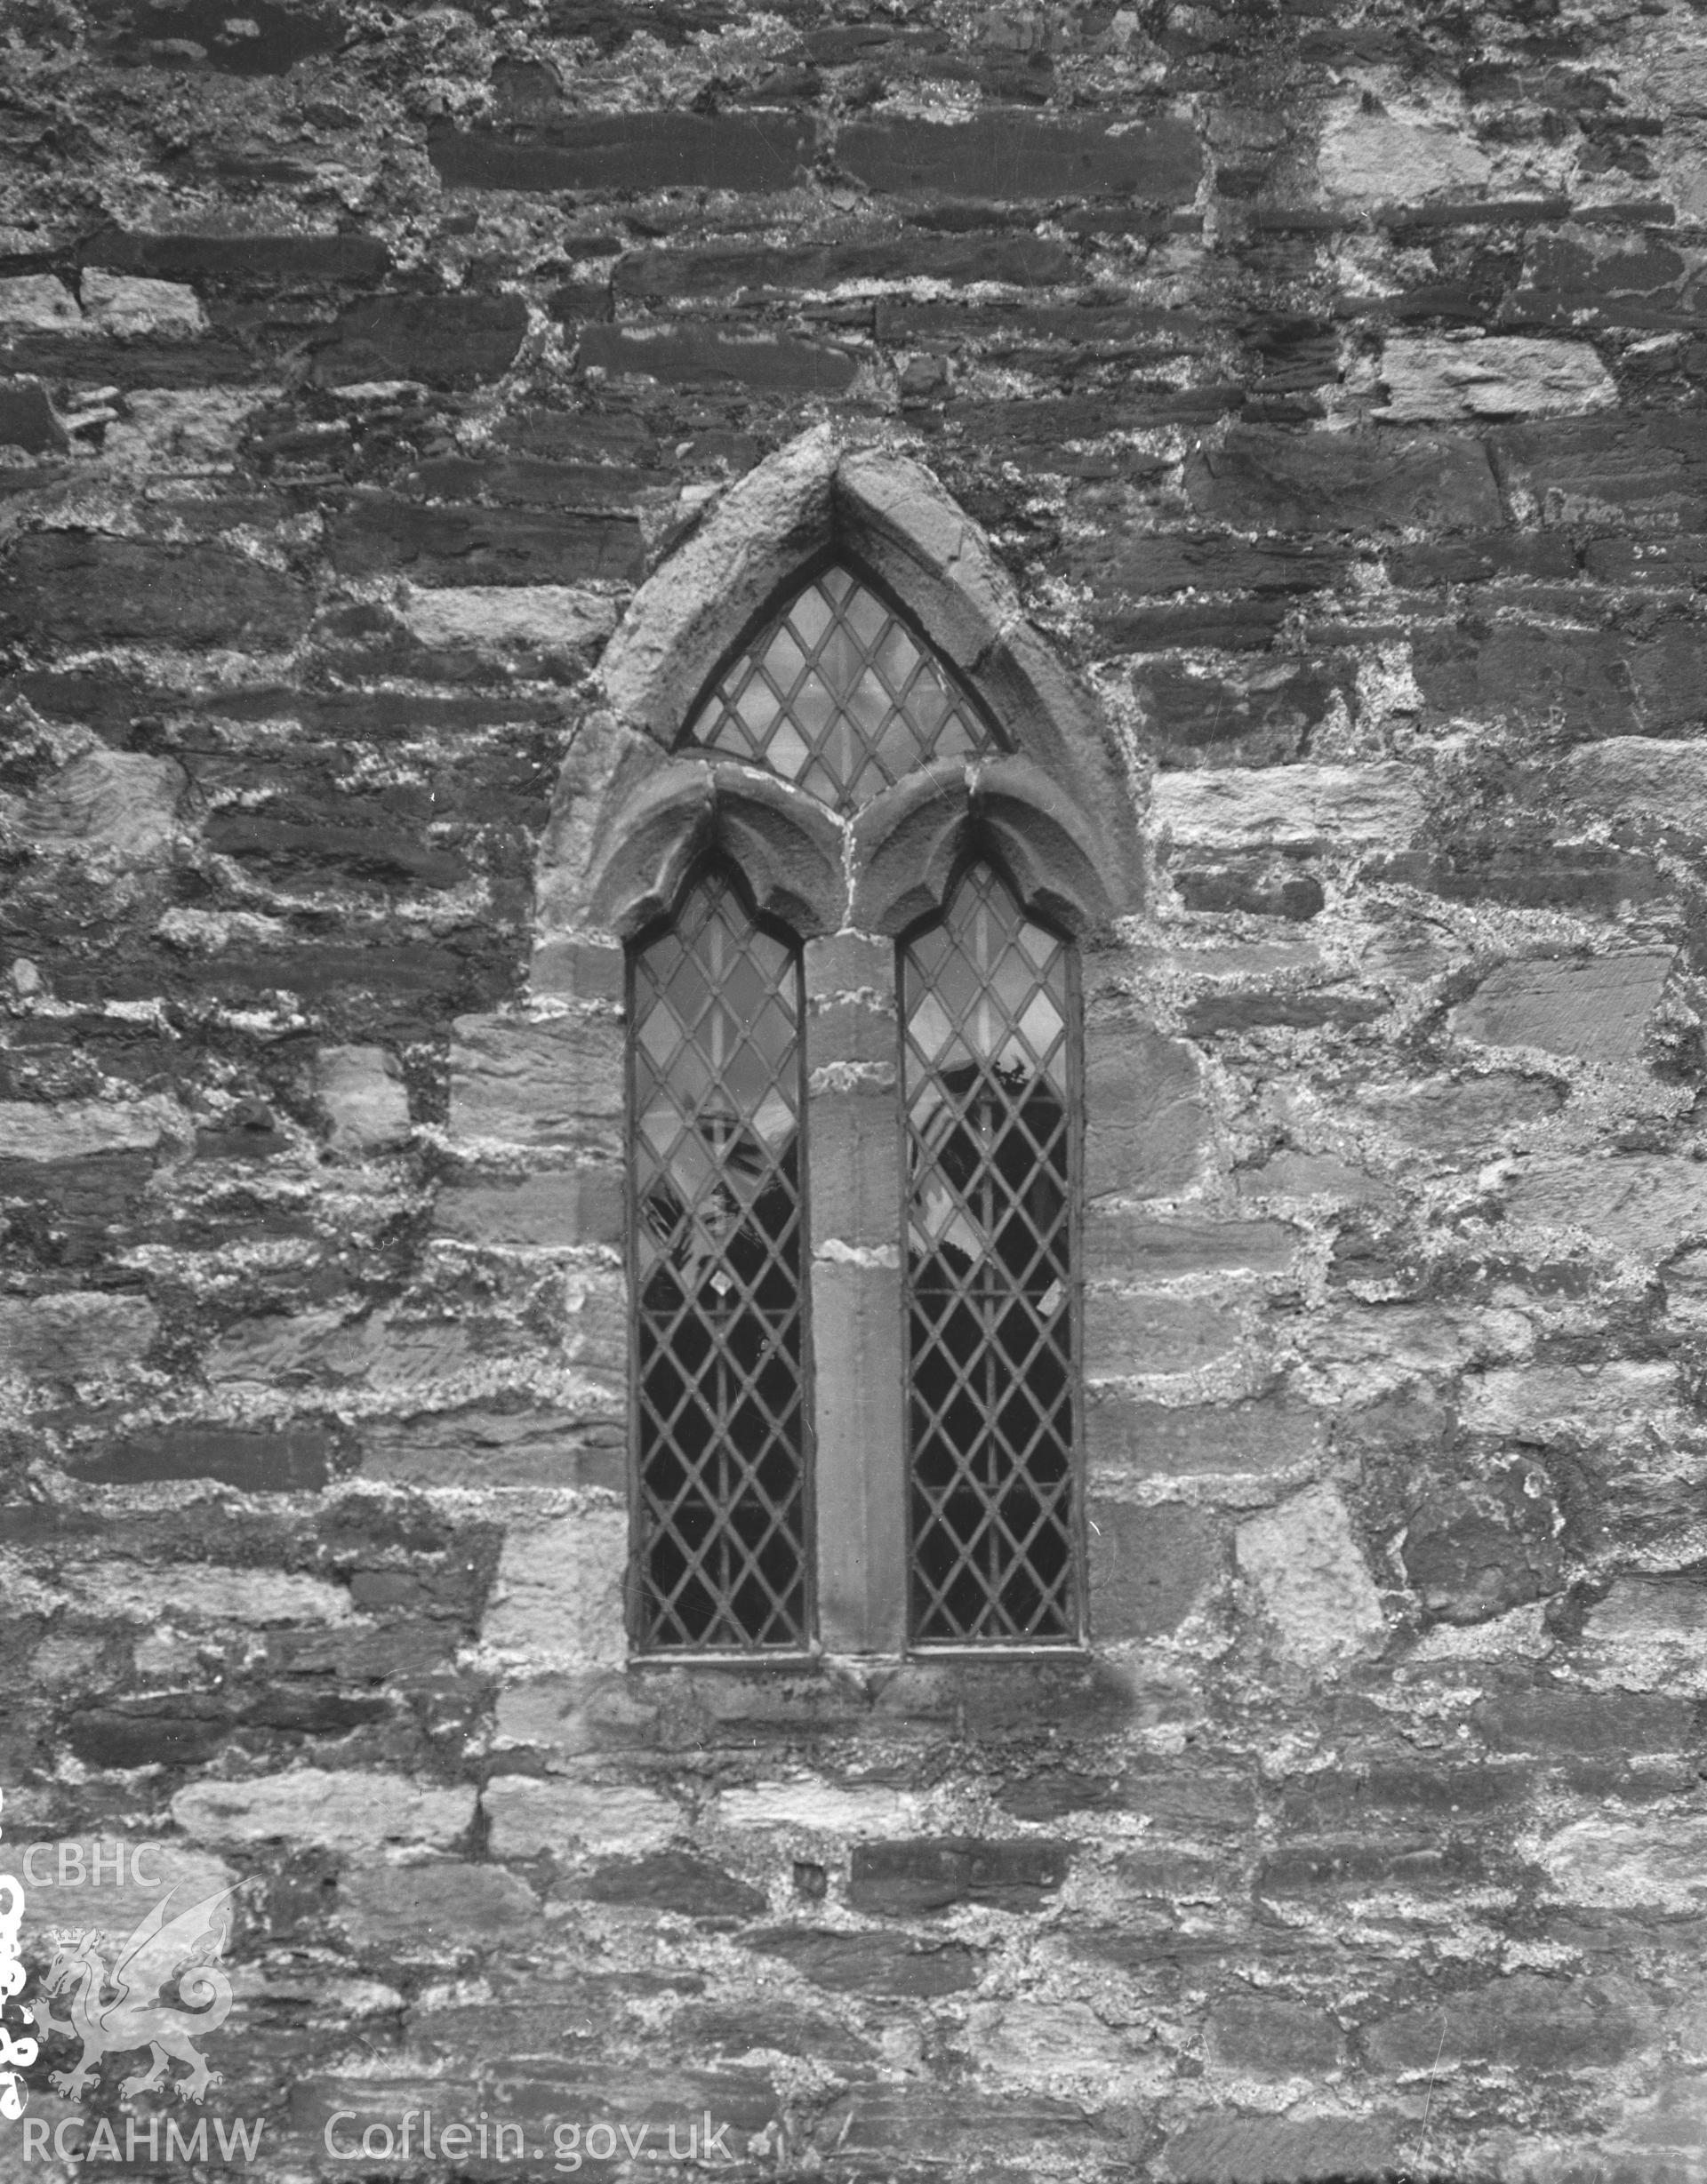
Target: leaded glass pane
715	1147
835	694
988	1102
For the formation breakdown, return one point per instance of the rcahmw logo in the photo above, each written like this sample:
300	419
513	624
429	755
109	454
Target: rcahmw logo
15	2055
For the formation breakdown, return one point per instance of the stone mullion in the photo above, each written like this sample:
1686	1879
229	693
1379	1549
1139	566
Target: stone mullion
855	1209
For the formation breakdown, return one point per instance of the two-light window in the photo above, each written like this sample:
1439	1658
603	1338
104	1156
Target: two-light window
837	695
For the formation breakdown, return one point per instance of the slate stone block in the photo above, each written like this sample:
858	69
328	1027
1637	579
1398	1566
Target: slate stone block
84	588
1264	478
269	1460
758	150
450	341
267	39
1149	1567
705	356
873	1964
242	260
1527	2022
469	545
1577	679
671	1880
1597	1009
730	269
1153	1438
1270	2033
1007	155
903	1880
26	418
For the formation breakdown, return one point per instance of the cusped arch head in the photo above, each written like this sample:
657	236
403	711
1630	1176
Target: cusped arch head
911	843
886	514
787	848
633	808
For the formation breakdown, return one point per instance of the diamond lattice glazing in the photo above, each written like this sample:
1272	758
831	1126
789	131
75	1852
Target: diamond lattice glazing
987	1055
837	695
716	1046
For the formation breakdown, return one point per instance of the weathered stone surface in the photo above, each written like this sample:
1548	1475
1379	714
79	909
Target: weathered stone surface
1268	2033
1504	375
559	1597
1564	1724
530	1813
241	257
1579	678
74	1335
1629	1864
1649	1634
1264	479
469	547
751	149
1016	155
83	587
1149	1567
1557	1402
256	1460
1313	1175
549	618
37	300
1262	2149
1526	2021
28	421
1307	1570
437	1909
551	1082
549	1211
80	1129
361	1090
1127	1332
872	1963
1475	1115
1650	775
671	1881
1155	1439
1297	807
1146	1125
116	805
1377	158
1261	717
1643	1203
269	40
1597	1010
1121	1241
712	358
357	1811
1607	470
455	341
126	303
811	1803
1051	2043
902	1880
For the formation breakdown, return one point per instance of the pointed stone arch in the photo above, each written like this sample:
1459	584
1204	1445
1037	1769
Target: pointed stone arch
633	806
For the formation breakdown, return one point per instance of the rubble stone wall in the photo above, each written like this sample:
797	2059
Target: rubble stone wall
1323	386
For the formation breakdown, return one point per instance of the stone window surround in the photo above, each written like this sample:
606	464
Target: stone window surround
635	815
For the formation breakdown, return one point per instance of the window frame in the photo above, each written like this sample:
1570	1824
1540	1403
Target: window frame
1077	1641
833	554
717	861
707	799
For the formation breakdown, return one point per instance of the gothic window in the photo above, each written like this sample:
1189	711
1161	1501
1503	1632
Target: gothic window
715	1012
988	1096
975	1521
836	693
